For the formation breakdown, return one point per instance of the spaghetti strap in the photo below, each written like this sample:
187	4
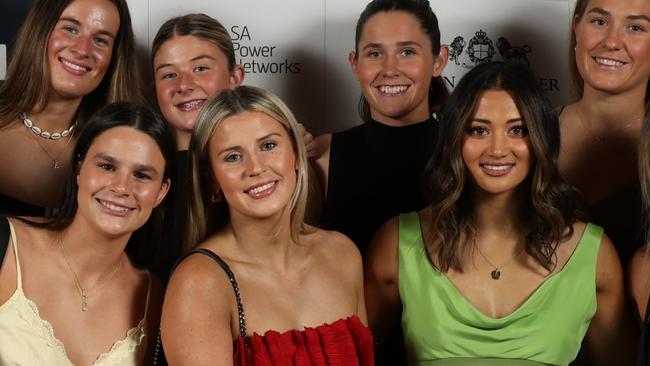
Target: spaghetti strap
231	278
146	304
14	243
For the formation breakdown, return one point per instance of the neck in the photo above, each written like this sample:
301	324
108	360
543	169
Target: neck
613	111
56	116
264	240
402	121
498	215
92	253
183	140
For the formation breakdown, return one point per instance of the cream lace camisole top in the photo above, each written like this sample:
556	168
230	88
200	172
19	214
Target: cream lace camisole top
26	339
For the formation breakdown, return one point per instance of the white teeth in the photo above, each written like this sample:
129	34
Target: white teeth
73	66
113	207
191	104
609	62
497	167
261	188
393	89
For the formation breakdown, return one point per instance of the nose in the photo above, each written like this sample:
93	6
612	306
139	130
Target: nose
390	66
120	183
82	45
612	39
498	145
185	83
255	165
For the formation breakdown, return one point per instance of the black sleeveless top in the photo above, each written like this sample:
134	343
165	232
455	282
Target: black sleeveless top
375	173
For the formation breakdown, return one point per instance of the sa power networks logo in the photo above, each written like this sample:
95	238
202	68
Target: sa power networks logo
3	61
481	49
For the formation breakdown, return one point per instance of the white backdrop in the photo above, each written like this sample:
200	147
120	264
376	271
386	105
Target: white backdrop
298	48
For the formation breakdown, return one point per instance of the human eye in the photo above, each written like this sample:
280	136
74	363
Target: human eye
106	166
519	130
408	52
478	131
232	158
598	22
168	76
374	53
268	145
141	176
636	28
201	68
69	29
102	41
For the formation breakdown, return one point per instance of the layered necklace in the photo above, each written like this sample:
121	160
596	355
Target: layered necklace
37	131
83	292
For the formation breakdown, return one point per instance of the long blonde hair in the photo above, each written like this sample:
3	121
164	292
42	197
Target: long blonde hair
228	103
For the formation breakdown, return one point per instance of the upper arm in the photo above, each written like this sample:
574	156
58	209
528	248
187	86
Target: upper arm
381	278
612	334
196	315
639	281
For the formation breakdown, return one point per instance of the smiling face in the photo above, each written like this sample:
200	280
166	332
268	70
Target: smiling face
496	147
189	70
394	68
120	181
80	47
254	165
613	45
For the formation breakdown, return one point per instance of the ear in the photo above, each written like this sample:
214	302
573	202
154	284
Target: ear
441	60
163	191
237	76
352	59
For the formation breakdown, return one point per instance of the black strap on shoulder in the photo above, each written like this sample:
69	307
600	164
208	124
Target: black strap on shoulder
231	278
4	238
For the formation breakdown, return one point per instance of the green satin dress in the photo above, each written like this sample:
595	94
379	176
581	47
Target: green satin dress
442	328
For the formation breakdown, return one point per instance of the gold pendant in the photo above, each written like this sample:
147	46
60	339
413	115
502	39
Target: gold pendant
56	164
496	274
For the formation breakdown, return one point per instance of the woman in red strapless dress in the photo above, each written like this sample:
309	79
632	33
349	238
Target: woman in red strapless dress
264	288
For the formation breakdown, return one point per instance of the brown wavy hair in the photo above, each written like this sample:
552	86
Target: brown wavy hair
28	86
550	205
644	173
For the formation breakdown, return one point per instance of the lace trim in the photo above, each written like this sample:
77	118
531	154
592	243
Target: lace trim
137	333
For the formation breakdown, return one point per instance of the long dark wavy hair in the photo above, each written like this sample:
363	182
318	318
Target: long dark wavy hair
421	10
549	204
142	245
644	173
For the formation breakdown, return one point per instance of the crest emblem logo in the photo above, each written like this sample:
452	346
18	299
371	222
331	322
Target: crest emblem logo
512	53
480	48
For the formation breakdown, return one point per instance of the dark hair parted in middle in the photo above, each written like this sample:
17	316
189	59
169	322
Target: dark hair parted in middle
549	204
142	244
421	10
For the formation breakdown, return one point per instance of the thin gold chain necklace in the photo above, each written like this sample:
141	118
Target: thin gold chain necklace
496	272
83	292
56	163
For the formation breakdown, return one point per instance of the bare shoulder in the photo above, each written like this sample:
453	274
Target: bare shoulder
323	143
198	274
335	247
639	279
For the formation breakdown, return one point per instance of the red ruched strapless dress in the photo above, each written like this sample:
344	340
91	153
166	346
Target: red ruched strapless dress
345	342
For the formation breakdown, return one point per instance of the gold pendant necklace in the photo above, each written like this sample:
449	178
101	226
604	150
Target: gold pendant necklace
83	293
495	274
56	163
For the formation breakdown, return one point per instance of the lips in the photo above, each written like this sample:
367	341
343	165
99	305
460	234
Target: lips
496	169
609	62
73	68
392	89
114	208
261	190
190	105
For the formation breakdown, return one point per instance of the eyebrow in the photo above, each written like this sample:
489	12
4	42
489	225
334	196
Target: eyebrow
78	23
258	140
630	17
511	120
199	57
400	44
138	167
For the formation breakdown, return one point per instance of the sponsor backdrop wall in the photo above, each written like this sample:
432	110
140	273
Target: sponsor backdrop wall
298	48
